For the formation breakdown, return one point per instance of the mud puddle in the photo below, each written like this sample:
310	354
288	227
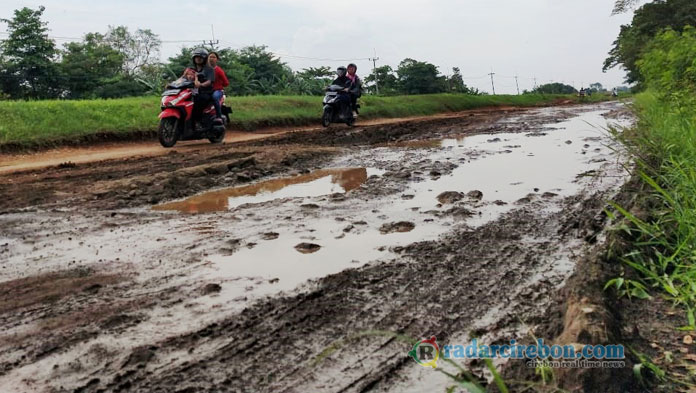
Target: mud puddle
286	242
317	183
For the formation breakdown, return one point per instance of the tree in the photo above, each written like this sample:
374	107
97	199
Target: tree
555	88
27	68
316	73
138	49
312	81
268	69
668	66
385	78
622	6
89	65
416	77
597	87
647	21
455	84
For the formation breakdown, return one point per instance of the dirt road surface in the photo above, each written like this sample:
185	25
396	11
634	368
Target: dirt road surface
270	265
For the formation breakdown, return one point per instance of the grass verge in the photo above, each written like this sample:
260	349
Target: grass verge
36	124
663	249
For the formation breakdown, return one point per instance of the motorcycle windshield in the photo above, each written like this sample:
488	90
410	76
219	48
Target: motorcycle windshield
335	88
181	83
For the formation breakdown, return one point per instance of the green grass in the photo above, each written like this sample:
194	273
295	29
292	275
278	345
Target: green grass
663	236
29	124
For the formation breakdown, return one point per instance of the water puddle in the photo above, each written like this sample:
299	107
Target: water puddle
509	169
318	183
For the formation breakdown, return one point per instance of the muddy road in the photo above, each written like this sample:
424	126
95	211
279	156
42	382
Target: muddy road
269	265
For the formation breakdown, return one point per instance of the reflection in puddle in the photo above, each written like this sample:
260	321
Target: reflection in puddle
321	182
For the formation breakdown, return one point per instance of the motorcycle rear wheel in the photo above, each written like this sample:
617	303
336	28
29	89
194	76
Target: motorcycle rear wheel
168	131
326	118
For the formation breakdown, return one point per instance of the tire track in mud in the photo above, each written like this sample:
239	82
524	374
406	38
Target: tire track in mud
437	287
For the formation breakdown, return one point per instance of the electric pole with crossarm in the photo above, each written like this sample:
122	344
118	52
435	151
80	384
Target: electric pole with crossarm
374	70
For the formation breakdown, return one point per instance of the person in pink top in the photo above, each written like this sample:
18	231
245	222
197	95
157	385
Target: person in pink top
220	82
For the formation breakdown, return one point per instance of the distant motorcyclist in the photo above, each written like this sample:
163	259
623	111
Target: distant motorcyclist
205	76
344	81
355	89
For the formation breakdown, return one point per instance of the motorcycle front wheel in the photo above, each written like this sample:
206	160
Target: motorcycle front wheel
326	117
220	135
167	132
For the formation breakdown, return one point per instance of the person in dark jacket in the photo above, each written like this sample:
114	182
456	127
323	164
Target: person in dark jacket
355	89
205	77
345	82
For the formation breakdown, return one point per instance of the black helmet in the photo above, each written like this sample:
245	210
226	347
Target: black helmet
353	65
341	71
199	52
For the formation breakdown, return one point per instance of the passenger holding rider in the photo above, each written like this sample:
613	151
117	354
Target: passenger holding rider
355	89
219	84
205	77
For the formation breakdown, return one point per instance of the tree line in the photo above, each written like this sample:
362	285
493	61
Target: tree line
120	63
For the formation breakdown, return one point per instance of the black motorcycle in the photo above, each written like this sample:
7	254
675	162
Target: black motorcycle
337	107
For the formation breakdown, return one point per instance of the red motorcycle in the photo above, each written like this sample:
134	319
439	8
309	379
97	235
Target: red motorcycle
176	120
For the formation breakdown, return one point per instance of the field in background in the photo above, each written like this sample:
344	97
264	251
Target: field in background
35	124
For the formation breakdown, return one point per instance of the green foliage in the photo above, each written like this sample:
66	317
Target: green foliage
664	242
27	67
88	66
648	20
669	63
419	77
51	122
555	88
597	87
386	80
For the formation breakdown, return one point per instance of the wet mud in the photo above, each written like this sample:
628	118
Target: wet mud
264	266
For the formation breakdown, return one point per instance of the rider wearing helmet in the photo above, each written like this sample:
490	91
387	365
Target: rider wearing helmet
341	78
355	89
205	76
343	81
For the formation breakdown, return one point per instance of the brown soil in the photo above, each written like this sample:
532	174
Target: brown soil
70	325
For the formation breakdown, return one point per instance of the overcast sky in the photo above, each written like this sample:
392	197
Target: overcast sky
552	40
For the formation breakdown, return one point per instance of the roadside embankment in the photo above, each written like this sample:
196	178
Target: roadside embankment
42	124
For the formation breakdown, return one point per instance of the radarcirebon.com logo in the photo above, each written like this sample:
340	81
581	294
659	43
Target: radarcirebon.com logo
426	352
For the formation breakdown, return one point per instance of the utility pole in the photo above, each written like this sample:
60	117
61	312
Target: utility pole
492	84
518	85
212	43
535	82
374	70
